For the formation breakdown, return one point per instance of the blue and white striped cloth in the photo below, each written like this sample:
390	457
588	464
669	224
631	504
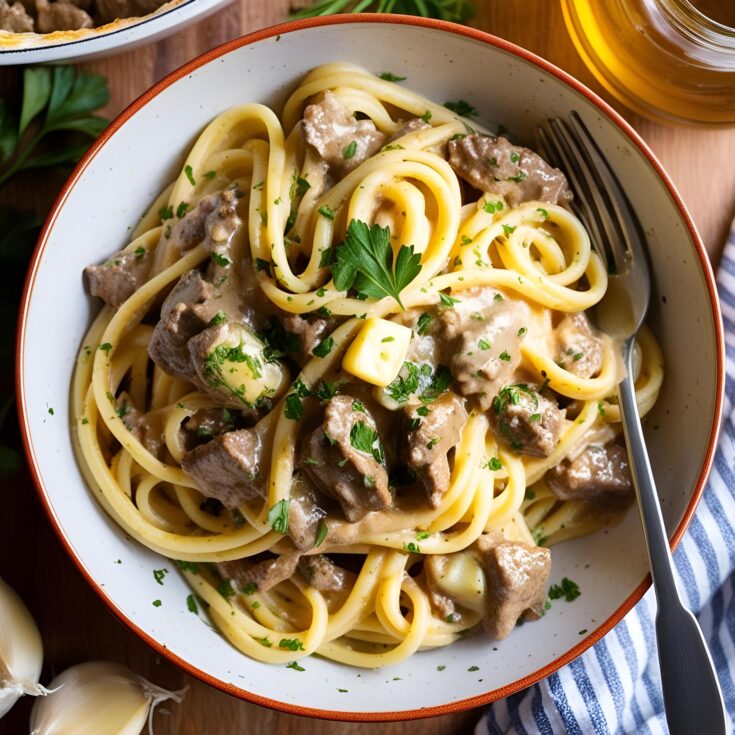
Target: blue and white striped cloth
615	686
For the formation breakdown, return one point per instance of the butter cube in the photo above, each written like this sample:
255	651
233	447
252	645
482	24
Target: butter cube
378	352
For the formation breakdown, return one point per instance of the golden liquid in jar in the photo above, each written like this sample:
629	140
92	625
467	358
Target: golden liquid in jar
661	57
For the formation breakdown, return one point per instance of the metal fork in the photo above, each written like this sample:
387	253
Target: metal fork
692	695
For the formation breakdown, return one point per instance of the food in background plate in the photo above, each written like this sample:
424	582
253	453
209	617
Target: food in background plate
47	16
345	375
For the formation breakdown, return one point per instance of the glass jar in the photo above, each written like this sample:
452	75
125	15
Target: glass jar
670	60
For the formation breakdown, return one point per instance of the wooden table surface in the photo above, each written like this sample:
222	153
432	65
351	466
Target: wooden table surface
74	623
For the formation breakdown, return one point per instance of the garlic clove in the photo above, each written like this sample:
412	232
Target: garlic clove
97	698
21	650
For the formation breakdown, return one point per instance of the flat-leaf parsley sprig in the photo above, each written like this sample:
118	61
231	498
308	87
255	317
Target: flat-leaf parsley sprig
55	100
365	262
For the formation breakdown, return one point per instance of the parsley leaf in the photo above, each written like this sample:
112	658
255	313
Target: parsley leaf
568	589
278	516
324	347
365	261
461	108
365	439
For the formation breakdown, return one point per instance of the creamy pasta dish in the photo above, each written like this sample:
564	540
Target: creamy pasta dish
346	376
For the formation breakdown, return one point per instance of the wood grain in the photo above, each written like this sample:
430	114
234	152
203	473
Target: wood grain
74	623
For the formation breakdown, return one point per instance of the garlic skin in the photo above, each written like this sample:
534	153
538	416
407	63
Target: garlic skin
21	650
97	698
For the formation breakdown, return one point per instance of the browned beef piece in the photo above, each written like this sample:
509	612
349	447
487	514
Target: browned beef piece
109	10
344	458
324	575
119	277
263	574
487	329
304	513
441	603
598	474
496	166
332	129
140	425
434	430
60	16
578	349
309	330
228	467
14	18
209	422
411	126
516	577
187	311
529	422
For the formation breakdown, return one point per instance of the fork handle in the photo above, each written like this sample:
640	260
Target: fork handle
692	696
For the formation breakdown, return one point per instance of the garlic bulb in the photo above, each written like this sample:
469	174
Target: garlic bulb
97	698
21	650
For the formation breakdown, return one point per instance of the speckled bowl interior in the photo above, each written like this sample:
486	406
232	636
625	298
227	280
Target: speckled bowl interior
141	154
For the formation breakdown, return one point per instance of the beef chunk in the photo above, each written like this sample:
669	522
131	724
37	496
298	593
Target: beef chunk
187	310
526	420
324	575
411	126
434	430
230	366
309	332
228	467
441	603
516	577
332	130
344	458
119	277
496	166
488	329
262	574
598	474
304	513
14	18
140	425
578	349
61	16
109	10
209	422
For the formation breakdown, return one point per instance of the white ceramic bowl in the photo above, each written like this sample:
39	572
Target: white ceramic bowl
133	161
123	34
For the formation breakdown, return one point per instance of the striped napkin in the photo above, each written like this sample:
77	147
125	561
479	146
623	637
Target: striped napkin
615	686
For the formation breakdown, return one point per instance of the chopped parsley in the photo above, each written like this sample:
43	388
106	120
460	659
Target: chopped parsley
324	347
294	665
105	347
568	589
326	211
181	209
600	408
365	261
321	533
544	213
422	535
225	589
262	265
189	566
508	230
292	644
210	174
484	344
461	108
504	356
426	117
220	260
388	76
278	516
349	150
365	439
522	331
191	604
474	668
494	464
412	547
432	443
159	574
424	322
358	406
492	207
518	177
250	588
157	603
441	667
512	394
190	175
219	318
447	301
293	409
166	212
139	252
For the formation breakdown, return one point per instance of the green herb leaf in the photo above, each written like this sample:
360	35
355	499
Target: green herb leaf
365	439
321	533
190	175
292	644
349	150
424	322
387	76
324	347
461	108
365	261
278	516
